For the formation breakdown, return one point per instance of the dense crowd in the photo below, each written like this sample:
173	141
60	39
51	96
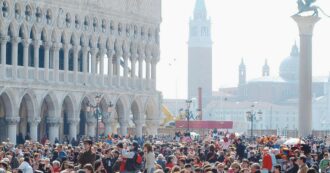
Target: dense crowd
211	153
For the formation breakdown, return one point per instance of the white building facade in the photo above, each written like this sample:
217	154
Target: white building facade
56	56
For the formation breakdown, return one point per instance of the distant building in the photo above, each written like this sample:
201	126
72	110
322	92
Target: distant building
200	53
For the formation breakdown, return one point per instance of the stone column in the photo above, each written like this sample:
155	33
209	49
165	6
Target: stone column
141	58
152	127
12	128
54	124
93	56
26	58
36	46
85	68
123	127
91	124
113	124
148	61
73	128
138	127
118	56
66	61
56	55
34	128
46	62
3	57
14	44
107	120
153	74
133	69
126	56
102	53
110	67
75	63
306	25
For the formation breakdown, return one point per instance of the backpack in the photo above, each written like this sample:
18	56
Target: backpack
135	163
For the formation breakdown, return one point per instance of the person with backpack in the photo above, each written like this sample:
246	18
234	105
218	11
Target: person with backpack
149	157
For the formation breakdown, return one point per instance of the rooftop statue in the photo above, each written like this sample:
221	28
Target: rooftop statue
307	5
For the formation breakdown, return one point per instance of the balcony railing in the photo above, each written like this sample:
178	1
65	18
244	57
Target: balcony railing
78	78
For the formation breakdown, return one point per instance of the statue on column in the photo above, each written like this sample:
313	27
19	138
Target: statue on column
307	5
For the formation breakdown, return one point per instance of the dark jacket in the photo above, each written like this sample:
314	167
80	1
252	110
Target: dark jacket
293	169
86	157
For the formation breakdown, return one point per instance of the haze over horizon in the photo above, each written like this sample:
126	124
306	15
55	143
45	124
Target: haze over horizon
254	30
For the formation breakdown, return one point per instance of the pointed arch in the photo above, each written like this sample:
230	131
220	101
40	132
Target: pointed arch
12	29
34	33
44	35
23	31
137	109
122	108
55	36
151	109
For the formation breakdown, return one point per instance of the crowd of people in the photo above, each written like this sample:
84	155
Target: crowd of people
163	154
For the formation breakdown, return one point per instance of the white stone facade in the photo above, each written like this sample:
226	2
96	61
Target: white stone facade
57	55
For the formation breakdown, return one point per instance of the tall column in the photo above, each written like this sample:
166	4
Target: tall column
102	52
36	46
126	56
133	75
54	124
113	124
26	58
110	67
3	57
85	67
56	55
73	128
34	128
306	25
141	58
91	125
75	63
148	61
14	44
118	56
152	127
153	74
123	127
93	55
12	128
66	61
138	127
107	123
46	62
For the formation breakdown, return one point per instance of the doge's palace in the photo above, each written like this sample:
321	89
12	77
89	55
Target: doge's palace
62	59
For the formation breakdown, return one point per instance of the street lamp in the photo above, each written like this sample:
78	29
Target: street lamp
253	116
188	102
98	113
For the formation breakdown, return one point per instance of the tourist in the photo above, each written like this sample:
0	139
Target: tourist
86	155
302	164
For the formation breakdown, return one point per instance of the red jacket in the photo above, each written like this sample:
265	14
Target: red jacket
267	162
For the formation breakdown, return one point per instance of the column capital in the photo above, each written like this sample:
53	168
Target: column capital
110	53
93	51
12	120
306	23
14	40
152	122
66	47
139	122
119	53
47	45
4	39
73	121
56	46
76	48
34	120
54	121
36	43
26	43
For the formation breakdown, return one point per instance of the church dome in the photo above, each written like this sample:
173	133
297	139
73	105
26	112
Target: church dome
289	67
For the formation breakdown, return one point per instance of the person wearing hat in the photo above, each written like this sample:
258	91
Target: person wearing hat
86	155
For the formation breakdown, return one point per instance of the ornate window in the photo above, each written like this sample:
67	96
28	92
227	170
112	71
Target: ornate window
49	16
38	14
120	28
142	32
68	20
135	31
128	30
28	12
205	31
104	25
77	22
5	9
18	11
112	27
86	23
95	24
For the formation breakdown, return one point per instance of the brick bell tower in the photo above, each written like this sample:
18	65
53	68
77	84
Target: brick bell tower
200	53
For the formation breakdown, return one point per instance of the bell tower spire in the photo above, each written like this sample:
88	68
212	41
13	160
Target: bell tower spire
265	69
242	73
